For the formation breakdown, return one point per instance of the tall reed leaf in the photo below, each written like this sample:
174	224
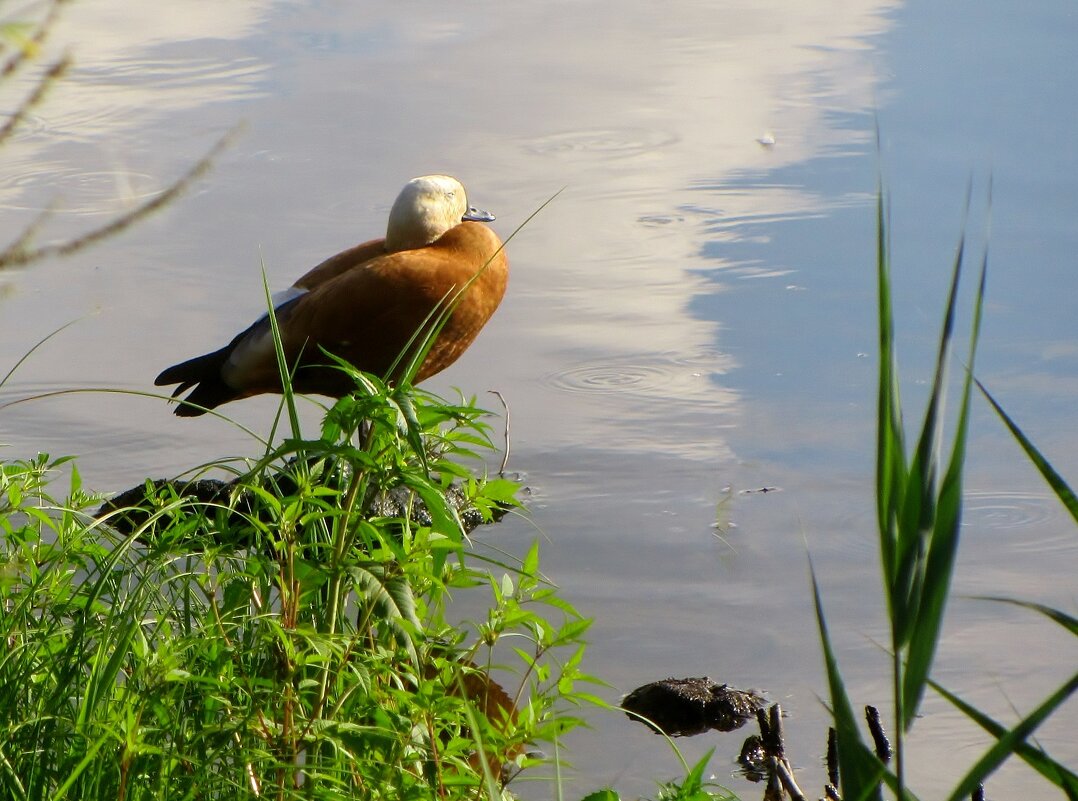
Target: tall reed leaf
1011	740
890	447
919	515
943	543
860	772
1055	481
1052	770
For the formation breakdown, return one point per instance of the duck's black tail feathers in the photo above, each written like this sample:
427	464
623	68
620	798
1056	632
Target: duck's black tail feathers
204	374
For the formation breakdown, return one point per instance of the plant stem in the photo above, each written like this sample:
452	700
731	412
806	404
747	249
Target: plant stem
898	678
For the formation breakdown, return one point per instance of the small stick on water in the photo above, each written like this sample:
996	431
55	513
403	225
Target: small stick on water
883	745
765	731
778	765
786	776
832	757
773	791
45	83
505	458
774	719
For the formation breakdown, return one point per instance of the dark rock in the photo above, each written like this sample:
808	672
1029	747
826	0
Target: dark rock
211	506
683	707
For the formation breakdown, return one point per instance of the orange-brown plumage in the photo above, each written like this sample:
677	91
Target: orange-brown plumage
364	305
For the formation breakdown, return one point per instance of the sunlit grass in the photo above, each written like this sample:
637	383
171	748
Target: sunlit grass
287	638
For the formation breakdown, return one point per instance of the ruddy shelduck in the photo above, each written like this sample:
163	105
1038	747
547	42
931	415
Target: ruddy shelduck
365	304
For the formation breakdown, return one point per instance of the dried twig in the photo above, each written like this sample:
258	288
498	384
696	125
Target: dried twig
33	42
17	254
51	76
778	766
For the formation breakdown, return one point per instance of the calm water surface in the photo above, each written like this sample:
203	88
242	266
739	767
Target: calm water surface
691	318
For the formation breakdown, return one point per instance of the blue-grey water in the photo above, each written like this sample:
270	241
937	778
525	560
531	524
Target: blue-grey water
692	318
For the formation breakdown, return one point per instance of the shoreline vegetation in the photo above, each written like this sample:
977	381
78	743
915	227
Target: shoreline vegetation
288	636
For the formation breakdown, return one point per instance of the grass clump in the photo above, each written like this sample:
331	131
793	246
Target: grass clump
289	638
919	501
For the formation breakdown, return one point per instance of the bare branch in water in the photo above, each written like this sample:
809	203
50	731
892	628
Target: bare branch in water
17	254
32	43
51	76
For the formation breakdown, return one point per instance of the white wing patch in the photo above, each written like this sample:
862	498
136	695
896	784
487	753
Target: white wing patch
255	349
280	298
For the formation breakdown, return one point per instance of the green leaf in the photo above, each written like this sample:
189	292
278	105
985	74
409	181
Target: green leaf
1056	773
1055	481
890	447
859	769
530	565
1009	742
943	545
918	514
1062	618
602	795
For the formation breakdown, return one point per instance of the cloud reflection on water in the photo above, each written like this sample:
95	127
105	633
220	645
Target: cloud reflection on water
642	115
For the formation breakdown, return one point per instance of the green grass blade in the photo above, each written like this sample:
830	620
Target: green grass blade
890	448
860	772
1062	618
77	772
112	652
1052	770
918	514
943	545
28	353
1055	481
283	368
1011	740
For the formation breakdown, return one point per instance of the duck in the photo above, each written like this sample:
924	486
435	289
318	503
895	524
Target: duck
364	305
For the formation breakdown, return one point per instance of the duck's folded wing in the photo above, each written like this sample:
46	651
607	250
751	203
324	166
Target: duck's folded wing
342	262
365	317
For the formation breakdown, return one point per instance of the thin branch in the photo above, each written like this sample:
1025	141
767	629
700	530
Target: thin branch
32	44
23	240
16	255
51	76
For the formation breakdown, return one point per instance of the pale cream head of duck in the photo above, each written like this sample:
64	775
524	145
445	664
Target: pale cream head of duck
425	209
